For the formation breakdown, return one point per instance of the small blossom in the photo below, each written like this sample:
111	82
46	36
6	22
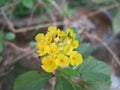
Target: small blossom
52	49
68	49
52	28
75	44
48	38
48	64
39	37
62	60
61	33
42	50
75	58
70	33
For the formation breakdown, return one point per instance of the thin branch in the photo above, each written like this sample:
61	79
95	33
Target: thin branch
32	13
56	6
9	23
4	73
4	66
11	26
105	45
28	52
30	28
8	5
48	10
17	47
105	8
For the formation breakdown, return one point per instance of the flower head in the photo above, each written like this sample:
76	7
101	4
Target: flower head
57	49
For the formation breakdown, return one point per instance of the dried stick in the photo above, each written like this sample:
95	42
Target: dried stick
9	23
4	73
28	52
28	28
48	10
32	12
4	66
56	6
17	47
7	6
37	27
105	45
104	8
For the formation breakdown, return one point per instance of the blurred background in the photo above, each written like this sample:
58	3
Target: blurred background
21	20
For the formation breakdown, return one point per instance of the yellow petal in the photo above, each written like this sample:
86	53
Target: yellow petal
52	28
48	64
39	37
75	58
75	44
49	68
62	60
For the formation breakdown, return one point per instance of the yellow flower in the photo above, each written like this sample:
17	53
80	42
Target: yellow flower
75	58
62	60
56	39
61	33
59	50
56	48
52	49
48	38
48	64
52	30
68	49
39	37
70	33
42	50
75	44
68	40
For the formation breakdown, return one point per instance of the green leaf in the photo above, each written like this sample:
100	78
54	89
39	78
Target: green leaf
28	3
1	34
95	72
116	22
63	84
1	46
3	2
31	80
1	59
10	36
71	72
85	49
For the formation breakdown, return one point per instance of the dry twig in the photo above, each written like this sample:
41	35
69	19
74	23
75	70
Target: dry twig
105	8
17	47
105	45
48	10
9	23
56	6
37	27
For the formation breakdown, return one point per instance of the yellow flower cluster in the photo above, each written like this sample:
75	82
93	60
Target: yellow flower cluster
57	48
